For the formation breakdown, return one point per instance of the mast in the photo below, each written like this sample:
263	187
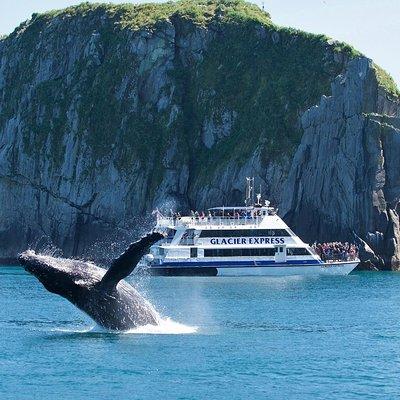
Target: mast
249	200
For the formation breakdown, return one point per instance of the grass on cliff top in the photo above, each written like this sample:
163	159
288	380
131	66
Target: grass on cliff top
139	16
386	81
201	12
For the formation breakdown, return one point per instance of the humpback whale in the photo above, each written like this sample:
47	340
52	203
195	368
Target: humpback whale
102	294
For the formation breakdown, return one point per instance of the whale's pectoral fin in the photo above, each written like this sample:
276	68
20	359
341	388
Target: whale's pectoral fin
122	266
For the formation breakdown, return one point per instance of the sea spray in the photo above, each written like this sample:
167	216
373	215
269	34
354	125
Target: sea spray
166	326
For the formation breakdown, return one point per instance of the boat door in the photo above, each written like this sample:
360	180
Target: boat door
280	253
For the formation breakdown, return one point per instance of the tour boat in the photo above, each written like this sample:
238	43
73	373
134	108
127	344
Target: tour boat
233	241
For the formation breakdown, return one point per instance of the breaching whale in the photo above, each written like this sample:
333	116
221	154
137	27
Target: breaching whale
102	294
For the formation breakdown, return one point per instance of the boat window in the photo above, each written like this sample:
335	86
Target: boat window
254	252
297	251
170	233
193	252
243	233
187	237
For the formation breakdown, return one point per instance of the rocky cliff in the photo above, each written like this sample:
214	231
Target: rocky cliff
107	112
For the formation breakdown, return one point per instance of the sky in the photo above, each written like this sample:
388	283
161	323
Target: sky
371	26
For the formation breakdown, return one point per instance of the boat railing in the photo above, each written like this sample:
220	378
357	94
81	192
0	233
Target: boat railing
350	257
210	221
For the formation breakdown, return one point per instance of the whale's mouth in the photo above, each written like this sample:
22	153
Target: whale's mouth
36	263
30	262
26	257
53	275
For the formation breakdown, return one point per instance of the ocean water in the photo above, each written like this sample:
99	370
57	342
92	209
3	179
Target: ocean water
222	338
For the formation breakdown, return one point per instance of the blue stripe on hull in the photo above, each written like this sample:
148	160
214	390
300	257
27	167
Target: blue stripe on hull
238	264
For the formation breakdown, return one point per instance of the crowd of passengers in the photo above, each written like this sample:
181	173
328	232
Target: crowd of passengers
202	216
336	251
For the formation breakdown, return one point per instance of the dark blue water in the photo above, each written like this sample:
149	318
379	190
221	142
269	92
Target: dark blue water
257	338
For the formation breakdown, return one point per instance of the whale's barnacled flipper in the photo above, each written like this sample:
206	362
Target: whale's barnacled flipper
122	266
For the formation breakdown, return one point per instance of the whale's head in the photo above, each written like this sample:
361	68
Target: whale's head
60	275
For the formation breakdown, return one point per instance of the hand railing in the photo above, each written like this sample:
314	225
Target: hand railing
205	221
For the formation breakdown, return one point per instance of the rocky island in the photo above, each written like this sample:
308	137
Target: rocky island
109	111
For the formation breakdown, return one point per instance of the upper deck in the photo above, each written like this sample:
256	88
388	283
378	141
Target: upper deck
221	218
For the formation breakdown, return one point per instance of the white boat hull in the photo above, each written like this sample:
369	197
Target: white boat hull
339	268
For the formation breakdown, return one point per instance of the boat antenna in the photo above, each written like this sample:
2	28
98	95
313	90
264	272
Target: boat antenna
249	191
253	197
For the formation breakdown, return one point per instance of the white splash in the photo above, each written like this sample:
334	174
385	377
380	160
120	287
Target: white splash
166	326
73	330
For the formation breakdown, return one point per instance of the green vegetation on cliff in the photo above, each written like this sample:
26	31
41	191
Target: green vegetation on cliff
139	16
386	81
200	12
268	76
